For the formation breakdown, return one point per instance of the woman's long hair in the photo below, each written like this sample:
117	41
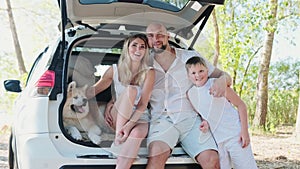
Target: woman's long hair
125	75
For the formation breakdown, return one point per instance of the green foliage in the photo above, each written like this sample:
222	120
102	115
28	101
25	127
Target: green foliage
242	26
9	71
284	75
282	107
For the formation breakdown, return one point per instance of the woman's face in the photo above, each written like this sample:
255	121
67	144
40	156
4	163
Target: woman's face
137	49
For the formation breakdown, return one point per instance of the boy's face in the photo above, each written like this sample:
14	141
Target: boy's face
198	74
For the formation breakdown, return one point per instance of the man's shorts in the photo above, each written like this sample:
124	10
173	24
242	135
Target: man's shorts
145	117
186	132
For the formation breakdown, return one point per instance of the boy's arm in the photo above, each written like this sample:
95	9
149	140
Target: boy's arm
222	81
232	97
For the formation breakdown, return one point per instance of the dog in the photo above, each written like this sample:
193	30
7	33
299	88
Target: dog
77	117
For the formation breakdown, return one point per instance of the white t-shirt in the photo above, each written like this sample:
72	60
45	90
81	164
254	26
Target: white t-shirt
221	115
119	87
169	92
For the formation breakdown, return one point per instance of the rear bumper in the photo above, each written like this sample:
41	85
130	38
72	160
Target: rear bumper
36	151
168	166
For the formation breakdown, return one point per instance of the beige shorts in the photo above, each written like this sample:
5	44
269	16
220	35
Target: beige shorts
186	132
145	117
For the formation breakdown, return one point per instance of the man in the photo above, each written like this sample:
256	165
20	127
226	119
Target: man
173	118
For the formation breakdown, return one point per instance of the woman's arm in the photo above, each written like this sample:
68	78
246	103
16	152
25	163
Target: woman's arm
145	95
101	84
232	97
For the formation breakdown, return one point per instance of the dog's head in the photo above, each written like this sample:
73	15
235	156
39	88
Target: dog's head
77	103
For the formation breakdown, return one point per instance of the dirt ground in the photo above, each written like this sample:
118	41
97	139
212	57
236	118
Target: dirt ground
276	151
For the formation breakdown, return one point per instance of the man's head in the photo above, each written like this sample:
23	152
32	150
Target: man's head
157	37
197	70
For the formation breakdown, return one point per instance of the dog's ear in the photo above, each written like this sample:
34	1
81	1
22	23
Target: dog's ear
71	86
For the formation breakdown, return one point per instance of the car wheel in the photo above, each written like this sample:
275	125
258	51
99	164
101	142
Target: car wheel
11	156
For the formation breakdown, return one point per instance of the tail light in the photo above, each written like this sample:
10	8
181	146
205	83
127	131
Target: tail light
45	83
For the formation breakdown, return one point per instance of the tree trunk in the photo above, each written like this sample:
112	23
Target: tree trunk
217	38
298	117
262	84
20	60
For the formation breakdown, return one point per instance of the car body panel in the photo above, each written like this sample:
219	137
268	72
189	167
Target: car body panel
95	31
142	14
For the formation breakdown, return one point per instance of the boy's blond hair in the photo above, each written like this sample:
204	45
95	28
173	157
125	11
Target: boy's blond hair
194	61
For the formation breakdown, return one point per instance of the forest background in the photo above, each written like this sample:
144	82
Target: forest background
256	41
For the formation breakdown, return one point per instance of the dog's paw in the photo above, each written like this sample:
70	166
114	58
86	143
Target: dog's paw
95	138
94	135
74	132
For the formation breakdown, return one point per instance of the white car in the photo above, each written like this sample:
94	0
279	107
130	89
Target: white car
92	36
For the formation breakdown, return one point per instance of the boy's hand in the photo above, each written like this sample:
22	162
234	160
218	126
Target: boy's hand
204	126
244	138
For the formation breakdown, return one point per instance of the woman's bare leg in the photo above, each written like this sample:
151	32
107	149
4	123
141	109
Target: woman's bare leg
124	108
130	147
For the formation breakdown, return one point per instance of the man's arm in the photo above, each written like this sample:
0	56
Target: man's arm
222	81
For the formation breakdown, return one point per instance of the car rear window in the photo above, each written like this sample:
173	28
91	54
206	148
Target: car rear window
169	5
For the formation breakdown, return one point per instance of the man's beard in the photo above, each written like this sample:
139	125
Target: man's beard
159	50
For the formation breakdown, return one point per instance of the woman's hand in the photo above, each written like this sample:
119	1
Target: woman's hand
123	134
107	114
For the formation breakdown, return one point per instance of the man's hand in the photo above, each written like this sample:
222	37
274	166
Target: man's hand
219	87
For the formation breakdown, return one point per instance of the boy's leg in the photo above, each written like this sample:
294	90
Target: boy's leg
242	158
225	161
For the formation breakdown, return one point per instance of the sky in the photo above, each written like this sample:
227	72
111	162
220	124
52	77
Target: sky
284	49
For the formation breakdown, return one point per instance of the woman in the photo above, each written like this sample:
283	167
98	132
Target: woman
133	81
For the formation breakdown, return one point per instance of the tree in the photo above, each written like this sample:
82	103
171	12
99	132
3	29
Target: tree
298	116
217	41
242	43
21	65
262	84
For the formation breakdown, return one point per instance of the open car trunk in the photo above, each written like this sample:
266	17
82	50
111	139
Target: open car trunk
93	37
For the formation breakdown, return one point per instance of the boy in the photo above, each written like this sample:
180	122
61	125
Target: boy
228	125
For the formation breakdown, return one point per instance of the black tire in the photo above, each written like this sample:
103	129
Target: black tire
11	155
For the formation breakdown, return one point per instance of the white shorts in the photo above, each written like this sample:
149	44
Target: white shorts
232	155
186	132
